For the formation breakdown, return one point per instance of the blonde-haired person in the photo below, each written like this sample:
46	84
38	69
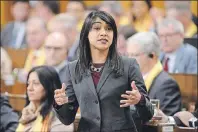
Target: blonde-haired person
38	115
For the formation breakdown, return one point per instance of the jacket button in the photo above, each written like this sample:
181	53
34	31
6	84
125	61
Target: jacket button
96	101
98	118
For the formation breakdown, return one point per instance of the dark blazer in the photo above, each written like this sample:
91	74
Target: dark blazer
62	74
100	106
167	91
6	36
9	119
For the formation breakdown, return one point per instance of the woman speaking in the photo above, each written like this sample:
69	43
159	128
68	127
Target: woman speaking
103	84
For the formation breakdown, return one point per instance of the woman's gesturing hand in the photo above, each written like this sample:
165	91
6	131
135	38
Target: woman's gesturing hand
60	95
132	97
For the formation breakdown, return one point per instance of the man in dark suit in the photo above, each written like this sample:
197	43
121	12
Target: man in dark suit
13	34
145	47
56	50
9	119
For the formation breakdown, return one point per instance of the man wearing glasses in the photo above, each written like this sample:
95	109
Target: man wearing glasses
176	56
56	50
145	48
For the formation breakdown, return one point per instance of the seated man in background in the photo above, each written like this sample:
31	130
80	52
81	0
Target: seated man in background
56	50
36	31
176	56
180	118
67	24
145	47
13	35
36	34
8	118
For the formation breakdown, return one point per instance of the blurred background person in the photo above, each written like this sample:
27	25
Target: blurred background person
114	8
67	24
38	115
124	32
56	50
77	9
36	32
13	34
46	9
176	56
6	64
142	20
145	48
8	118
181	10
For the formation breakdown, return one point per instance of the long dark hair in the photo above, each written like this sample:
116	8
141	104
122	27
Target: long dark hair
85	58
50	80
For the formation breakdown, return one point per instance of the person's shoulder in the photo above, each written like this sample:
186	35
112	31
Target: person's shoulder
126	59
189	48
164	77
72	63
3	99
8	25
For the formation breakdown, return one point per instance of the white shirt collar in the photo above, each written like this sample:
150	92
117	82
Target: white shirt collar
145	75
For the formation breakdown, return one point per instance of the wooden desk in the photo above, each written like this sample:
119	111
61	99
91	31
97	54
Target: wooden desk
18	56
185	129
152	128
188	86
167	128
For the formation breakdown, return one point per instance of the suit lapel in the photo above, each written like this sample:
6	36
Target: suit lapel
10	30
105	73
179	55
161	57
90	83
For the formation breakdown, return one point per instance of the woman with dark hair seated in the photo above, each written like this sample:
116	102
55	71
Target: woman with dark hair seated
38	115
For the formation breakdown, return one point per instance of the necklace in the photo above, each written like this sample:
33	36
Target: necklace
95	69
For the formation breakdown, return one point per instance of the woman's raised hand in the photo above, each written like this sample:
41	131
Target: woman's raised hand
60	95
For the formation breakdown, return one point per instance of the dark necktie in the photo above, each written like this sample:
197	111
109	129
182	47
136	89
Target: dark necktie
166	64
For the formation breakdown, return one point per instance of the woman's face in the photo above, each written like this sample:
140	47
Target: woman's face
35	90
139	8
100	35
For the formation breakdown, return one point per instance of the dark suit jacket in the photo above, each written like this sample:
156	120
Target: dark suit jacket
100	106
6	36
9	119
167	91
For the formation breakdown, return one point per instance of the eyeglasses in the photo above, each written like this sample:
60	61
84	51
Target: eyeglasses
135	54
54	48
169	35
